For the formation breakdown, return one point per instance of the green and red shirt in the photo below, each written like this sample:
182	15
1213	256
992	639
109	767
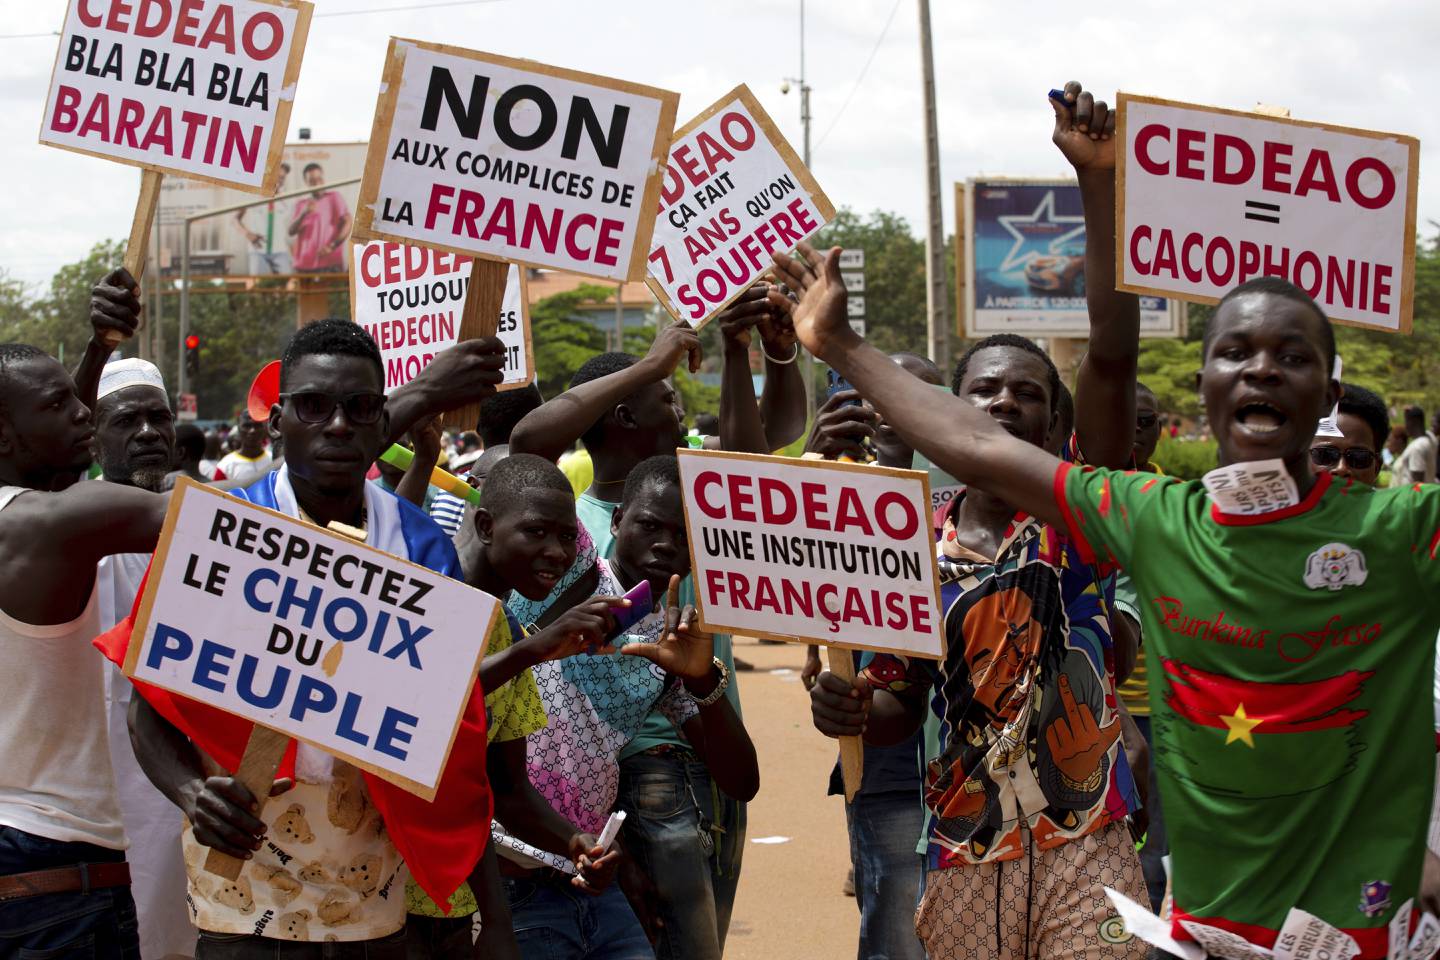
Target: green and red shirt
1291	661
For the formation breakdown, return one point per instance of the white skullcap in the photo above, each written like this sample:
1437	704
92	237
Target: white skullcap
131	372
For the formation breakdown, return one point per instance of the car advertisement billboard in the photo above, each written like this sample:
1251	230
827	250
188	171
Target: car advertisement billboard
1024	262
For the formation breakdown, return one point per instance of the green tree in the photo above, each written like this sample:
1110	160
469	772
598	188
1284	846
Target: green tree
1168	368
562	341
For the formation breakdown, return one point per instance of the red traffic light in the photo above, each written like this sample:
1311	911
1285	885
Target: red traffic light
192	342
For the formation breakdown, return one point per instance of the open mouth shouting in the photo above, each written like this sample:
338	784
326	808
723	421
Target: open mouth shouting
1260	418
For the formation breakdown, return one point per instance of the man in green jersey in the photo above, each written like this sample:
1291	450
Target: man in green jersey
1291	624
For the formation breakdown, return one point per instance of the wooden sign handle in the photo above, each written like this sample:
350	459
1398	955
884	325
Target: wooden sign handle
263	754
480	317
852	749
138	245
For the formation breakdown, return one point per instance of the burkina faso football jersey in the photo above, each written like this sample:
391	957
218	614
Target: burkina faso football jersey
1291	663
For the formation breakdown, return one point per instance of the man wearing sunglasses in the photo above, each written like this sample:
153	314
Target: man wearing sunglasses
333	420
1364	424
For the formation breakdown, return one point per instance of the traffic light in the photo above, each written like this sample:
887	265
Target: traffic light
192	356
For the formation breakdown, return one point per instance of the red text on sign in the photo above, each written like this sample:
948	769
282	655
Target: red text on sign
584	237
685	166
260	35
748	499
1221	158
1334	281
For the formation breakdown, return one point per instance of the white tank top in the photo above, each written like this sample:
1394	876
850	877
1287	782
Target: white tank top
55	774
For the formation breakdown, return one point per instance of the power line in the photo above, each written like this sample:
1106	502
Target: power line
332	13
859	79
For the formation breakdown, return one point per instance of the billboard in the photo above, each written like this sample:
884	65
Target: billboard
1024	262
306	235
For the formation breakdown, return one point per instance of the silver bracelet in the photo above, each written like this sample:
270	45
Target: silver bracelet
719	691
793	357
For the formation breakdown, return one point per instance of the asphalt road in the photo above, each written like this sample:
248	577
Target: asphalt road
790	902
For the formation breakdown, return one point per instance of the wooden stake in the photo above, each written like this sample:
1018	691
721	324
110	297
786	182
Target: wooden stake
480	317
139	243
263	754
852	750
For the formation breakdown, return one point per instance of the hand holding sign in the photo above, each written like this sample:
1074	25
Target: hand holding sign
465	373
674	343
744	313
1084	129
840	707
115	307
225	814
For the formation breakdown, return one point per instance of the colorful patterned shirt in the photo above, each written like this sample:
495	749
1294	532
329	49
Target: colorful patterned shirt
1292	655
1029	731
596	704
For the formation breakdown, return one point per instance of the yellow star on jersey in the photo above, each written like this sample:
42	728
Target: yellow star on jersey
1240	727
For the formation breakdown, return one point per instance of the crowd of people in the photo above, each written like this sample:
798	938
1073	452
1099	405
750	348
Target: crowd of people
1219	713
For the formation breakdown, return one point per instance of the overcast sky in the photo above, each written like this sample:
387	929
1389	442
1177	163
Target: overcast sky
1358	64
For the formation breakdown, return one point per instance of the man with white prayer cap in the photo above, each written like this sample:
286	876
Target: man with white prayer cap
135	446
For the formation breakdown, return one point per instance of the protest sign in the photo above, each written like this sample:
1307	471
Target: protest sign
1209	198
813	551
359	653
1022	262
409	299
734	193
202	89
508	159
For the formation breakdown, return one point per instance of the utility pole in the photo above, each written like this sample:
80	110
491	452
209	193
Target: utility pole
809	362
937	304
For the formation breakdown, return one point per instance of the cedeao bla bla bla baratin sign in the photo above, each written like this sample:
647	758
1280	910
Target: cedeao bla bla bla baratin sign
734	193
508	159
199	88
357	652
410	300
1210	198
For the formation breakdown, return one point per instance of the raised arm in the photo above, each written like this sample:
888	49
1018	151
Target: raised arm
554	427
962	440
114	309
741	428
77	527
465	373
425	441
1105	385
784	406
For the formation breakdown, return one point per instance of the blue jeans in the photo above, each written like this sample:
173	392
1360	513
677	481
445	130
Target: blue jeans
673	830
1157	845
554	921
888	872
99	924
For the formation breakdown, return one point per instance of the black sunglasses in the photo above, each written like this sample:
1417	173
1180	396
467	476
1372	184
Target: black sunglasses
1329	457
317	407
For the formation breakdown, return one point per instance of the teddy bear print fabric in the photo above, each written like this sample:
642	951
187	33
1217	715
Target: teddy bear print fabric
325	871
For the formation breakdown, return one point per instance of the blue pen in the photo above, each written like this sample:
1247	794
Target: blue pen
1060	96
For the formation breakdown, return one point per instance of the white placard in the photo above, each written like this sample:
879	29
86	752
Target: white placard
854	282
409	299
513	160
852	259
362	654
734	194
1211	198
199	88
813	551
